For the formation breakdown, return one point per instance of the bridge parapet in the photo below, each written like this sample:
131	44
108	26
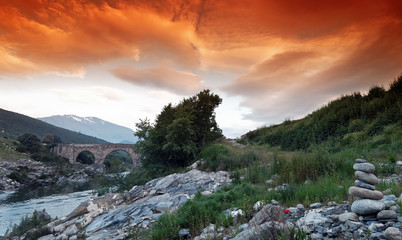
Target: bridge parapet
100	151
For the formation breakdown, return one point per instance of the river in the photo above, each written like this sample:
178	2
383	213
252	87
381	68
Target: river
57	200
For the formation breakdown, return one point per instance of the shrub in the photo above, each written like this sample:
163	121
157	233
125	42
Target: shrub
37	221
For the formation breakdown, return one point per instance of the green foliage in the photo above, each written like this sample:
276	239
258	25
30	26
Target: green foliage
220	156
179	132
166	227
86	157
13	125
29	142
37	221
294	234
350	119
19	176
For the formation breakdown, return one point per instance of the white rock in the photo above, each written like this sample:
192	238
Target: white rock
393	233
312	217
258	206
348	216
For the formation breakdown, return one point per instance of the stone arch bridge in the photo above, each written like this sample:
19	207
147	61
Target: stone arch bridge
100	151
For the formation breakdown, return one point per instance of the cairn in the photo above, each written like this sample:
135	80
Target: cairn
367	198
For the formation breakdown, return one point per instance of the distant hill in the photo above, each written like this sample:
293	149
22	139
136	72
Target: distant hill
93	126
351	119
14	124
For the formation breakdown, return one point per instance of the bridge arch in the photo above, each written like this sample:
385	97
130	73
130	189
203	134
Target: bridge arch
100	151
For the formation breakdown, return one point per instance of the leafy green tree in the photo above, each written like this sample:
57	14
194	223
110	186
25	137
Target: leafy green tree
29	142
179	132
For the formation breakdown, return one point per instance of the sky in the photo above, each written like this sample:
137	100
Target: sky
122	61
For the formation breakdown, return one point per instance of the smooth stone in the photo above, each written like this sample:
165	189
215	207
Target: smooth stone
367	206
393	233
365	193
316	205
367	177
348	216
387	214
364	185
360	160
364	167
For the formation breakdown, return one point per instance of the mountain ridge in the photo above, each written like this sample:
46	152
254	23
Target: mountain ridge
93	126
14	124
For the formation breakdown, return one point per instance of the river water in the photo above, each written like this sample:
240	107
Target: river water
57	200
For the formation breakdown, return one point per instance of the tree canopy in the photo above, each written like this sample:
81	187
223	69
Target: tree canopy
179	132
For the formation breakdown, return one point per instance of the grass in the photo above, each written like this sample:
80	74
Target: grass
7	150
320	174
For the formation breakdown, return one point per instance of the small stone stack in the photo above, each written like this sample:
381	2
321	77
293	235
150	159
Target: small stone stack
367	198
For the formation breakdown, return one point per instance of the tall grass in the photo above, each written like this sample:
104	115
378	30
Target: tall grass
329	174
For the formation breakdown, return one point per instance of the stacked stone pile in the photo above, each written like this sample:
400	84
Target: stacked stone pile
367	198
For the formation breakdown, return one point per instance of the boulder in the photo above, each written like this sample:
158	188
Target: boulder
367	206
361	184
268	213
366	177
364	167
365	193
393	233
267	230
387	214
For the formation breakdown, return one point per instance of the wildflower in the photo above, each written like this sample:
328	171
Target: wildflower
287	211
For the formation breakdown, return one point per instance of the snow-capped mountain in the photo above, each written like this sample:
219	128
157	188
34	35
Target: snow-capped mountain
93	126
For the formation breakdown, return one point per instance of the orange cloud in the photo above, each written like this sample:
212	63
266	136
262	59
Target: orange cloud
48	36
181	83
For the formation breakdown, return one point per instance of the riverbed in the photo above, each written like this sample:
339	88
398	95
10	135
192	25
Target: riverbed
13	208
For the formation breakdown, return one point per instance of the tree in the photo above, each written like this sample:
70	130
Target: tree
29	142
179	132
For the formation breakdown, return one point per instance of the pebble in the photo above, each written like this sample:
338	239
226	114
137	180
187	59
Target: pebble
387	214
361	184
364	167
360	160
367	177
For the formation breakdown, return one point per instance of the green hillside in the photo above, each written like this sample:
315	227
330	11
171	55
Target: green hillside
350	120
13	125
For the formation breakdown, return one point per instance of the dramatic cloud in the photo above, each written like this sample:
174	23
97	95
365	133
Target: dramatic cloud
274	59
48	36
181	83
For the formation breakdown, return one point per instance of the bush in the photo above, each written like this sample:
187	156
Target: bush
37	221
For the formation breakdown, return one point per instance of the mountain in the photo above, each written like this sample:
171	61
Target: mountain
94	127
349	120
12	125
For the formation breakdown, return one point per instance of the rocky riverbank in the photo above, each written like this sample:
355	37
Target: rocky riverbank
117	215
111	216
28	173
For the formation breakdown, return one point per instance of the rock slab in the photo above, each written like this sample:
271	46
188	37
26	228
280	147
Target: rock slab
365	193
367	206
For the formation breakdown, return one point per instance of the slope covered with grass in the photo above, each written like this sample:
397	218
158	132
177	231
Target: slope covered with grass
350	120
